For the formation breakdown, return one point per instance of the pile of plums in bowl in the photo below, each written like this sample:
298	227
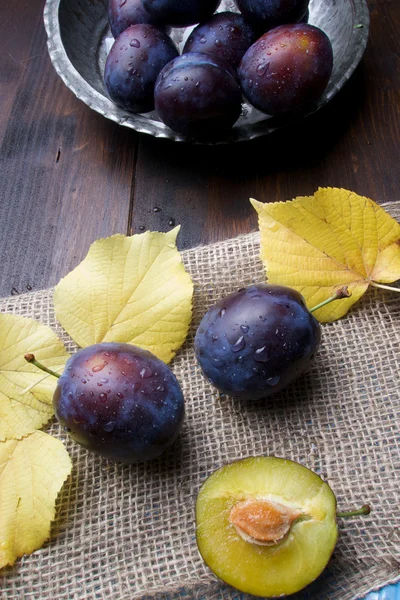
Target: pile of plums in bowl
265	53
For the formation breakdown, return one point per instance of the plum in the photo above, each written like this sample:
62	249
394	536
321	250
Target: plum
254	342
197	94
120	401
266	14
226	35
133	64
124	13
287	69
266	525
180	13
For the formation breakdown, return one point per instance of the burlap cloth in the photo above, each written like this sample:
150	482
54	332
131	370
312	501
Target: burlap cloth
124	532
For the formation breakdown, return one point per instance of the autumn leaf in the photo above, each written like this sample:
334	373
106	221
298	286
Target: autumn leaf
319	243
21	413
32	472
129	289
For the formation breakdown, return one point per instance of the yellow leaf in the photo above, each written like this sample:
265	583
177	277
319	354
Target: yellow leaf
319	243
32	472
129	289
21	413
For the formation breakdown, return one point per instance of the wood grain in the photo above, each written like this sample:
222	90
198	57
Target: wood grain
66	171
69	176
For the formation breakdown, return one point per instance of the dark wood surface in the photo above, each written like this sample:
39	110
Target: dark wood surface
69	176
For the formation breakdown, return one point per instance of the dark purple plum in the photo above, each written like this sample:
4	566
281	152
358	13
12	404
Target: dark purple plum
180	13
124	13
287	69
198	95
133	64
226	35
254	342
266	14
119	401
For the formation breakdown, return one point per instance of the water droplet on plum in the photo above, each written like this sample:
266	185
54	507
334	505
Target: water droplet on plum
262	354
110	426
146	372
262	69
99	367
218	362
239	345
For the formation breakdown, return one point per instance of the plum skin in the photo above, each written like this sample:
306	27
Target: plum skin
226	35
197	94
133	64
287	69
180	13
120	401
256	341
122	14
267	14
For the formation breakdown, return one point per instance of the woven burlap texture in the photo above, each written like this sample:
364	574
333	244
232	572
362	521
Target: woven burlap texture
127	531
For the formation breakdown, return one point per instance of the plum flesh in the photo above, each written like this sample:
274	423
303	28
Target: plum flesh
120	401
283	566
255	341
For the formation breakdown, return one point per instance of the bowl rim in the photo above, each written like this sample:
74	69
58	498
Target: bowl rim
143	124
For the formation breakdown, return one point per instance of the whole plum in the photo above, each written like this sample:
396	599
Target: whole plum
287	69
180	13
133	64
226	35
119	401
124	13
254	342
266	14
197	94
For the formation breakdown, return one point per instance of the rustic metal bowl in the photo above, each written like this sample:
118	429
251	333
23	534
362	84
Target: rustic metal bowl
79	39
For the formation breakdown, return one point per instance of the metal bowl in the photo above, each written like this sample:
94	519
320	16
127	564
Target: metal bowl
79	39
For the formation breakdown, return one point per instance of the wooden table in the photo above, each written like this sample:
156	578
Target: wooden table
69	176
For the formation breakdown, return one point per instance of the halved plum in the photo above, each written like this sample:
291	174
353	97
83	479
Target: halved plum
266	525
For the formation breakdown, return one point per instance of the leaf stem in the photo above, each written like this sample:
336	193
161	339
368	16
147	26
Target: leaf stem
342	292
364	510
30	358
385	287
